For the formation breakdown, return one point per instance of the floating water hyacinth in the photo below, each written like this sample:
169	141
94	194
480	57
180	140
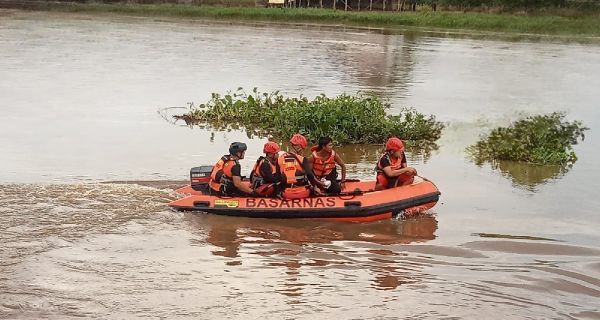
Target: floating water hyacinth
359	118
540	139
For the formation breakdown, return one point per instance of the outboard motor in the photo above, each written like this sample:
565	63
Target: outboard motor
200	177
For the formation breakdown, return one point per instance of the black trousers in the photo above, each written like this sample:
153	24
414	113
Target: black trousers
335	187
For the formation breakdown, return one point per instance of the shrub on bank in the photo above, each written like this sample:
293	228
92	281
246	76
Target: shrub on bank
541	139
347	119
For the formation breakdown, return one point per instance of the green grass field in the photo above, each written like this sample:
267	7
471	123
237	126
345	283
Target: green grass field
581	26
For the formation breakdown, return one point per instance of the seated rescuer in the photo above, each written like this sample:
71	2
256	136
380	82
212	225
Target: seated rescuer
392	170
324	161
295	171
264	174
226	177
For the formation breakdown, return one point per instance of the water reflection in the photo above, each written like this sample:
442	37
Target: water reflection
295	245
229	233
385	60
530	176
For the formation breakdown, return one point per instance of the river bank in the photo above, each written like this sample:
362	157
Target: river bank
582	26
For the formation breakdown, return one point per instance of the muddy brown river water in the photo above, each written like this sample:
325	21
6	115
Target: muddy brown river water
88	163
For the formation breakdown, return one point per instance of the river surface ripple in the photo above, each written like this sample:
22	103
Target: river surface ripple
83	234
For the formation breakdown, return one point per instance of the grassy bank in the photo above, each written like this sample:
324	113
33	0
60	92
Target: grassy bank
538	24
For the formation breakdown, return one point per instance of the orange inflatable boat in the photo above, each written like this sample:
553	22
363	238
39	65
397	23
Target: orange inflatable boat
357	202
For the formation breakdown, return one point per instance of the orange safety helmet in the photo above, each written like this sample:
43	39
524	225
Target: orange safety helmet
271	147
394	144
300	140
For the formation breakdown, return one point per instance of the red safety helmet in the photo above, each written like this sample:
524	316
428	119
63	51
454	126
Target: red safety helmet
299	140
271	147
394	144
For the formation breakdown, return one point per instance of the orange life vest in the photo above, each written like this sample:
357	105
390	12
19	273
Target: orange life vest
256	176
395	163
221	176
290	167
321	167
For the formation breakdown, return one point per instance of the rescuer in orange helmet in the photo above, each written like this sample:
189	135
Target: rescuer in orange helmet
392	169
264	175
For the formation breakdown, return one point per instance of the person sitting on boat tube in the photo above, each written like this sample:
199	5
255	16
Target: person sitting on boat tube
264	175
295	171
323	160
226	176
392	170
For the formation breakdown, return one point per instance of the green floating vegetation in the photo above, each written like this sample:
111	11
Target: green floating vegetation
541	139
347	119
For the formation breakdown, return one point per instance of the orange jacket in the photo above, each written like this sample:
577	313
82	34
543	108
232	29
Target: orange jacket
290	167
321	167
256	177
221	173
395	163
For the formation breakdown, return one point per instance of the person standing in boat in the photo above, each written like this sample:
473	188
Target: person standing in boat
264	175
323	160
392	169
226	176
295	171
